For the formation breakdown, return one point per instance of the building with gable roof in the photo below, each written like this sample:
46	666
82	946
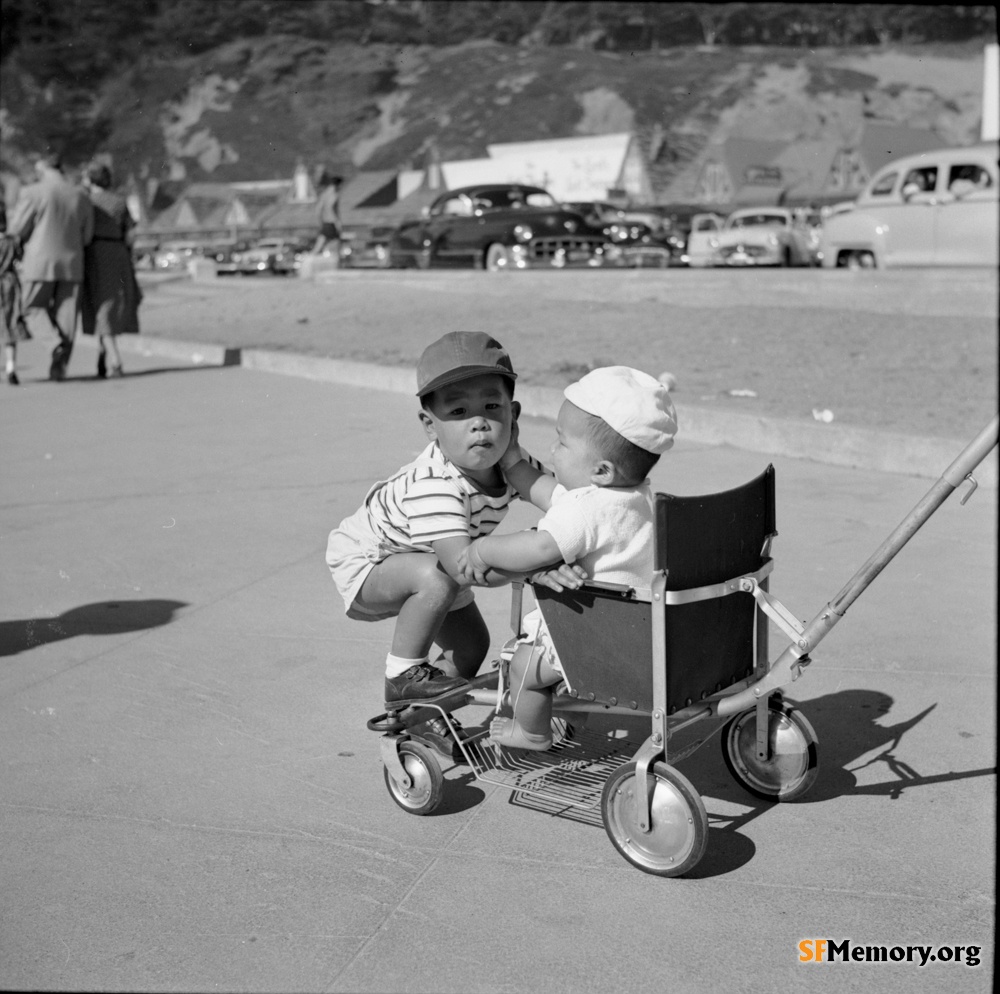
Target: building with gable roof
737	164
746	171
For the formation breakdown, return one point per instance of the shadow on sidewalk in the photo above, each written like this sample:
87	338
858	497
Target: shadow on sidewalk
100	618
130	374
846	730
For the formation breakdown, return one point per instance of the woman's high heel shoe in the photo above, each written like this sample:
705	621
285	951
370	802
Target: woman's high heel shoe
102	366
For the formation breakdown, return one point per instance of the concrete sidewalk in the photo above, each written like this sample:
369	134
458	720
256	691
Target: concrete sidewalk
190	799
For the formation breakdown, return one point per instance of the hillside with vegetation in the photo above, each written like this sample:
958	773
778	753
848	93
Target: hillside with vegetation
244	89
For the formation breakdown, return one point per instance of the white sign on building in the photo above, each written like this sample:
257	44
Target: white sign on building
571	169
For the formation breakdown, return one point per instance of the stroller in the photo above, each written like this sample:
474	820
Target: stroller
692	646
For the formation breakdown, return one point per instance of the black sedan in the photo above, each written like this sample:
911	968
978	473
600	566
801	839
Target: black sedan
500	226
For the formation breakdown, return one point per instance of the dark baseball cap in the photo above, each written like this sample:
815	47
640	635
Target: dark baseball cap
460	355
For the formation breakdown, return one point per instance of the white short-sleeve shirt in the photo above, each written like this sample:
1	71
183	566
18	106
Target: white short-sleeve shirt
607	530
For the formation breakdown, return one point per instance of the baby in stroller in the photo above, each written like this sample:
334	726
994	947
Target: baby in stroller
612	427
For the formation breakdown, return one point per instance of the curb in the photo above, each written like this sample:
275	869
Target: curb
197	353
857	448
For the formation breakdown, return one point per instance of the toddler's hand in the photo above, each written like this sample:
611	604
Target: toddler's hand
471	566
562	577
513	455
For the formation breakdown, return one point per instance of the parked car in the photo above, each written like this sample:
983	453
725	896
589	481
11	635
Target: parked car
699	247
224	255
936	208
640	234
268	255
500	226
365	247
176	255
761	236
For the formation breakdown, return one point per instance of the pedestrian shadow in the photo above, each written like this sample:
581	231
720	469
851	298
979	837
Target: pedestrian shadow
132	374
100	618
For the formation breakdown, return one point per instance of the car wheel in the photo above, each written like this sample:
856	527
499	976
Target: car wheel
496	258
861	260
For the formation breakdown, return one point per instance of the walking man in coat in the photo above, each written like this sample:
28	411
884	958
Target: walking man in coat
54	220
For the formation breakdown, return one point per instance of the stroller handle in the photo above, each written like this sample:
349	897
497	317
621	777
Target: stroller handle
786	667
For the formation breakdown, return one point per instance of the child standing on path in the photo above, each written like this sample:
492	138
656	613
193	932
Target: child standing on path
396	557
612	428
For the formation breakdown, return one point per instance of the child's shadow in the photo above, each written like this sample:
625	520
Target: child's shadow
101	618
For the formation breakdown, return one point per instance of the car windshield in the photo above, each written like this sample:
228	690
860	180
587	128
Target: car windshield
758	221
507	199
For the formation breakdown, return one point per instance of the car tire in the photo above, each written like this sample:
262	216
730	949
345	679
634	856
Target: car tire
861	260
495	258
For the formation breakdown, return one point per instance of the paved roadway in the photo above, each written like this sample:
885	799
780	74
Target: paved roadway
190	799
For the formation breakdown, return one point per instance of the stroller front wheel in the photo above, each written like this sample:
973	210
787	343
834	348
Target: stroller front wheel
679	825
427	781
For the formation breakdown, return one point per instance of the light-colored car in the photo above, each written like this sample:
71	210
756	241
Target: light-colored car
698	250
932	209
761	236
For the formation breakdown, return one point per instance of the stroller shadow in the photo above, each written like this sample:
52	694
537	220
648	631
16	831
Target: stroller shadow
847	729
848	726
100	618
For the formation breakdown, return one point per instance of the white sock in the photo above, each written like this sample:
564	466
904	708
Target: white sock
397	665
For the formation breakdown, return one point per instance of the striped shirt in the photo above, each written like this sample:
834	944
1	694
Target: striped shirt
430	499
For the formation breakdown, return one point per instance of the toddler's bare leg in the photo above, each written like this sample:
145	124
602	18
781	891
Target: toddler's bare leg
465	640
419	591
507	732
531	680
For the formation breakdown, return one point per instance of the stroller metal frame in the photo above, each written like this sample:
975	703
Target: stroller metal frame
653	815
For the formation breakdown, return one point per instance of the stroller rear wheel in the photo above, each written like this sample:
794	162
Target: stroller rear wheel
791	766
679	829
427	782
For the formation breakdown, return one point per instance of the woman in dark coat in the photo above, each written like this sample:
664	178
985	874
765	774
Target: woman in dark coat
111	295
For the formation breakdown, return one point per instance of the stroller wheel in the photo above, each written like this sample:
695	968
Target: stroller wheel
791	766
427	782
679	828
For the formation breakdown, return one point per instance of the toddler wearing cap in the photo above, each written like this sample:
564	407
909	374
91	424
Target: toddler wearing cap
611	430
396	556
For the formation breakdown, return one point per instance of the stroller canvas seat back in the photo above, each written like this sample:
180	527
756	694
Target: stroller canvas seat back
605	637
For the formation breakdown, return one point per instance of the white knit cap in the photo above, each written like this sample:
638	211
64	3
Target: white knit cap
634	403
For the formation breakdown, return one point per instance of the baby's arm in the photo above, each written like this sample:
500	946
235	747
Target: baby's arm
452	555
531	482
518	553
